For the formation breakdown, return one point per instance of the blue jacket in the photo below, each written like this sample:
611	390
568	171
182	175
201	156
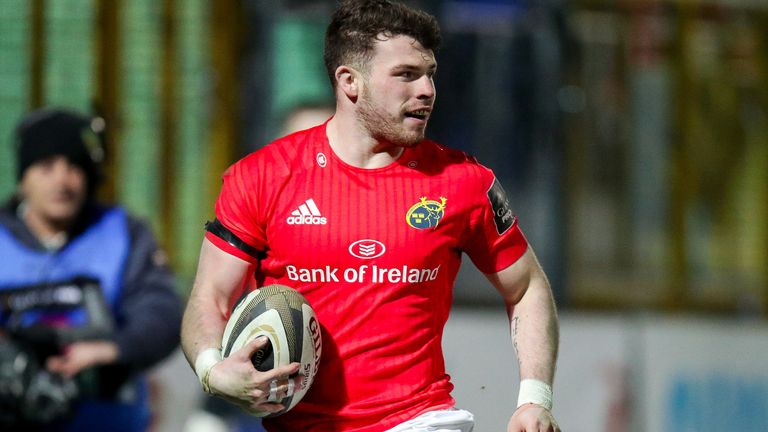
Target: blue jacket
121	253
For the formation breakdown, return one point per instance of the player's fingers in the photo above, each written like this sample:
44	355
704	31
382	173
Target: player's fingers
280	389
249	349
287	387
281	372
297	381
274	389
268	407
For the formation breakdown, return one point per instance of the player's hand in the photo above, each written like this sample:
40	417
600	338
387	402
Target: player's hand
236	380
532	418
82	355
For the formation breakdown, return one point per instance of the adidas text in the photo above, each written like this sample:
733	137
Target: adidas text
306	220
307	214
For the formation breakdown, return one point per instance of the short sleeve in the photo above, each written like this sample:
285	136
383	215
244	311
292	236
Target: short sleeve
494	241
237	207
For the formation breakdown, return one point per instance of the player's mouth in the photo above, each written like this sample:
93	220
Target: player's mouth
419	114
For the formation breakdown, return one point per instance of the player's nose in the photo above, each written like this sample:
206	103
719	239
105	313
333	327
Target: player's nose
425	87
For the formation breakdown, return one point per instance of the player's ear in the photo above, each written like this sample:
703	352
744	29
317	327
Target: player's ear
348	81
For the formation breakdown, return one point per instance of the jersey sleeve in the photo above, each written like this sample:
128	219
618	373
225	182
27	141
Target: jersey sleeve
494	241
239	212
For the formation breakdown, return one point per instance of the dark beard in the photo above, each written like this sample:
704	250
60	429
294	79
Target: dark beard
383	127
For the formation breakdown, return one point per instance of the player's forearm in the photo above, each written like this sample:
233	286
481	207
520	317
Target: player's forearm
202	325
219	276
535	332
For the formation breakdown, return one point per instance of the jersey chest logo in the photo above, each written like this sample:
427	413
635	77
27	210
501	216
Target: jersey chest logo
367	249
307	214
426	213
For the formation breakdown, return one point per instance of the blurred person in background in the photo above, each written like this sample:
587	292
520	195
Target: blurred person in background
305	115
87	299
369	177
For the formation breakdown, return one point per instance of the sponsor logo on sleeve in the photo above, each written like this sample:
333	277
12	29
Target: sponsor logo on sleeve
503	217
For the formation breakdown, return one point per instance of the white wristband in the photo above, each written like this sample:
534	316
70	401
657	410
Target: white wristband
535	392
205	361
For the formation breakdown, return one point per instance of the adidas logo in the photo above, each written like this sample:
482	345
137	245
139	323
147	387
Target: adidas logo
307	214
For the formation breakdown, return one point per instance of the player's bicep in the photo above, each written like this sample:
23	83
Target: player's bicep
513	281
220	275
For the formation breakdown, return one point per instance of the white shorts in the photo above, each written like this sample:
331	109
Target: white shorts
453	420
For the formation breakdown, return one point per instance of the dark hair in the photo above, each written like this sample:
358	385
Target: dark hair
356	24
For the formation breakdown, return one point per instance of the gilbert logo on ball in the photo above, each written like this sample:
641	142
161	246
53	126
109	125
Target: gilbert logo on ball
285	317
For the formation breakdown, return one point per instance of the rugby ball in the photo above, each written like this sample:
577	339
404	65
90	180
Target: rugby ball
285	317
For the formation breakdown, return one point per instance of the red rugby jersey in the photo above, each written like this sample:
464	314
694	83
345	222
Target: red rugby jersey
376	252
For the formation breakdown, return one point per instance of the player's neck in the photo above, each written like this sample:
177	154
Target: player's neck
353	145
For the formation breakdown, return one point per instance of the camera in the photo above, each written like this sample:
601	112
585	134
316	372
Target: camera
36	322
29	394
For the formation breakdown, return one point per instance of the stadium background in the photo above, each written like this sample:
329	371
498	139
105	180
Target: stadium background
632	137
